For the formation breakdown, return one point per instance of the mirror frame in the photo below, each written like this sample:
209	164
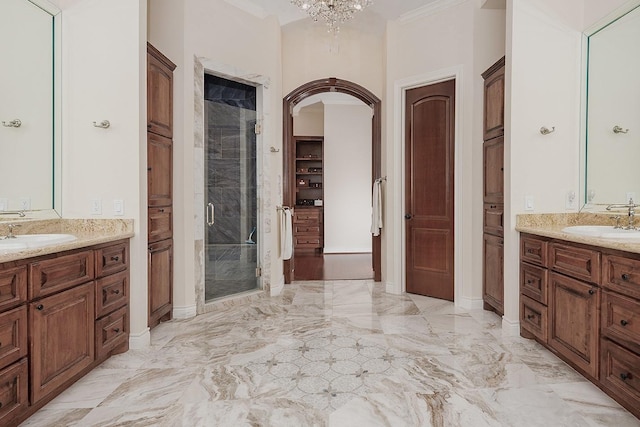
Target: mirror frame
599	25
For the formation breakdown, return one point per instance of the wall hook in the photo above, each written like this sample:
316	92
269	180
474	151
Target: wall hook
103	124
545	130
274	150
616	129
15	123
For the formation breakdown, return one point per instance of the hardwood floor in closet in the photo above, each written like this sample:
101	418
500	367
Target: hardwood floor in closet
317	266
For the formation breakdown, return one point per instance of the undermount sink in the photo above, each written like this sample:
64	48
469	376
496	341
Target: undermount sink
31	241
602	231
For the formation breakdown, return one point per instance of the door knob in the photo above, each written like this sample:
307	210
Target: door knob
407	216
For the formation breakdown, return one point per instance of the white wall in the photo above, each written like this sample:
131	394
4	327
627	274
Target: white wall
104	45
254	49
309	121
347	178
307	55
467	39
542	89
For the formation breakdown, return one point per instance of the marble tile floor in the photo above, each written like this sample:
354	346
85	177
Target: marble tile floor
335	353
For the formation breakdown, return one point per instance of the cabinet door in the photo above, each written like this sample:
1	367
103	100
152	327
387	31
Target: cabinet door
159	94
14	397
573	321
159	170
493	124
494	170
62	338
493	277
160	281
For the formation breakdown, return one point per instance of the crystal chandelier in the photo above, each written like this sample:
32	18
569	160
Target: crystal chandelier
333	12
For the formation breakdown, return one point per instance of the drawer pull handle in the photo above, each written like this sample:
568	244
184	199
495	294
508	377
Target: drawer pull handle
591	292
530	251
625	277
39	307
531	316
116	291
116	330
529	281
624	322
161	210
626	376
115	258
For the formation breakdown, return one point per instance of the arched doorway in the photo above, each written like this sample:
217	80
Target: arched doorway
331	84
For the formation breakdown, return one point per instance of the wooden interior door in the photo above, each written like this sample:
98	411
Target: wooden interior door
429	190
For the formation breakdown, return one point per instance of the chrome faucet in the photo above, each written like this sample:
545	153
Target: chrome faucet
11	227
631	206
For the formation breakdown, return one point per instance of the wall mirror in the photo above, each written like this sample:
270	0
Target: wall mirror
612	131
30	107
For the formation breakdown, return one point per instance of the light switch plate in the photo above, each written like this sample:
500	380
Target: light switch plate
571	200
25	203
95	207
118	207
528	203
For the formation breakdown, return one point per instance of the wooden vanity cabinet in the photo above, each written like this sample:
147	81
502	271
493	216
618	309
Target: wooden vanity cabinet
493	188
48	337
583	304
159	186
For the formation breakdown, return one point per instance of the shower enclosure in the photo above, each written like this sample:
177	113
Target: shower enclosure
231	244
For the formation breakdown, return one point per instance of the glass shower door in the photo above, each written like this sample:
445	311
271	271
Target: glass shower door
231	244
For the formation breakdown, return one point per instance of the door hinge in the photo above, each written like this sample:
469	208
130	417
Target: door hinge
257	128
258	271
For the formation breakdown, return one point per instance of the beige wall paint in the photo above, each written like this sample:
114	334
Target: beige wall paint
104	78
310	53
201	28
471	39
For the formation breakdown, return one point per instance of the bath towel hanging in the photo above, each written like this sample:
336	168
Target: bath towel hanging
286	234
376	215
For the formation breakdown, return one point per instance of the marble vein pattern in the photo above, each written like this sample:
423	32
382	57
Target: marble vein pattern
335	353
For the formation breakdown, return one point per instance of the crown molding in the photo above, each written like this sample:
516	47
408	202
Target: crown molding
429	9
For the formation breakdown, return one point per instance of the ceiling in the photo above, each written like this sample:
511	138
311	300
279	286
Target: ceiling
384	10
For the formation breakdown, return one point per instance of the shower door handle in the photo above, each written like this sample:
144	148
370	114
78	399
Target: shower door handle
211	215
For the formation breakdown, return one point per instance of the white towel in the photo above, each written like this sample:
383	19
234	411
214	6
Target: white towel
376	215
286	234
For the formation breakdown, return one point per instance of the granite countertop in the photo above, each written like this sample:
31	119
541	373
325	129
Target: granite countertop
88	232
551	225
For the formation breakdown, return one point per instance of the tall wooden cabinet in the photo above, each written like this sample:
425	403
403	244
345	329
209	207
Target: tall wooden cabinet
160	184
493	188
308	229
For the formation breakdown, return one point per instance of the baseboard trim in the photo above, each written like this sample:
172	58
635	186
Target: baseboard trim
471	303
510	328
390	288
140	340
276	288
185	312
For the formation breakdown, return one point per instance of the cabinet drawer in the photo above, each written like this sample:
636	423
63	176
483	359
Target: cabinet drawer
533	282
13	335
620	372
14	396
308	242
13	286
160	223
307	229
493	219
533	250
576	262
307	216
533	317
112	331
111	259
621	319
52	275
621	275
111	292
